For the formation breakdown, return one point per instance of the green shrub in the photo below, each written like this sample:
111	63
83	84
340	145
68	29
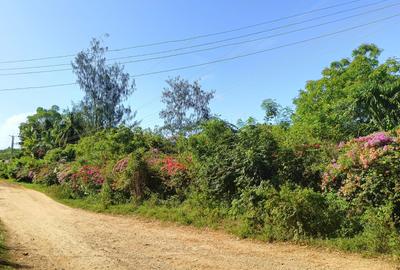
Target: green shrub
380	233
131	176
46	174
66	154
114	144
302	164
106	194
23	168
289	214
241	159
3	169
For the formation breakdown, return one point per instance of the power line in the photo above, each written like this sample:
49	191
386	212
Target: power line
259	32
237	29
228	58
266	50
217	47
190	38
213	42
36	87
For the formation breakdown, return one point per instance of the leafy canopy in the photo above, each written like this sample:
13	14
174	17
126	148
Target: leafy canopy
354	97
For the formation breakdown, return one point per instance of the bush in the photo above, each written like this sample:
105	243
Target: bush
87	180
114	144
302	164
24	168
46	174
289	214
3	169
380	233
240	160
367	171
131	176
66	154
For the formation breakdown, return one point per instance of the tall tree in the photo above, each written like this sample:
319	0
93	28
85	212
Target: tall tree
106	87
186	105
354	97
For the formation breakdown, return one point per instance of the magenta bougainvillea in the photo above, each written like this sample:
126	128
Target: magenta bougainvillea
375	139
91	174
356	158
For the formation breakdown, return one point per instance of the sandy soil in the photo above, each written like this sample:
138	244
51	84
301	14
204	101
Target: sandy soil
47	235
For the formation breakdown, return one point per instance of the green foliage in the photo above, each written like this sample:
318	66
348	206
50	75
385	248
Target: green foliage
5	154
354	97
289	214
23	168
46	174
233	161
113	144
49	129
66	154
37	134
380	233
106	194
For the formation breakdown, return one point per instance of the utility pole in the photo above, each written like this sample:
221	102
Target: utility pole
12	146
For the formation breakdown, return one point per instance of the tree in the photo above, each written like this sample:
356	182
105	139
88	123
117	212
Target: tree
37	134
275	113
49	129
106	88
70	128
381	103
186	105
355	96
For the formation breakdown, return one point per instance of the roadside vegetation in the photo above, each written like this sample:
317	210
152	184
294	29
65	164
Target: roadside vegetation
327	172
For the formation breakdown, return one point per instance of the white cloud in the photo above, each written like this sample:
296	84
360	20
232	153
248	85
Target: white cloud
10	127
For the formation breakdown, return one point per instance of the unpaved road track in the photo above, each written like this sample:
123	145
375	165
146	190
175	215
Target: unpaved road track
47	235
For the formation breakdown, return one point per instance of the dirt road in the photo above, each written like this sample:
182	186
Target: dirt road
47	235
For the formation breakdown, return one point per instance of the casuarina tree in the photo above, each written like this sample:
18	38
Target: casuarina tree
106	88
186	105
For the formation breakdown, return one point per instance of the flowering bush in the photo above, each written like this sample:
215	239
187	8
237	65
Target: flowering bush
130	177
367	171
23	169
87	180
91	175
46	174
64	173
171	166
121	165
375	139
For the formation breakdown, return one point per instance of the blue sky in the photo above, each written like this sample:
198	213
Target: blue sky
33	28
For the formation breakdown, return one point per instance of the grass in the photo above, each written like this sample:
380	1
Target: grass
188	213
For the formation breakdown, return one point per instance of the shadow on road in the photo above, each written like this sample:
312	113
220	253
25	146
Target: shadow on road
7	263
